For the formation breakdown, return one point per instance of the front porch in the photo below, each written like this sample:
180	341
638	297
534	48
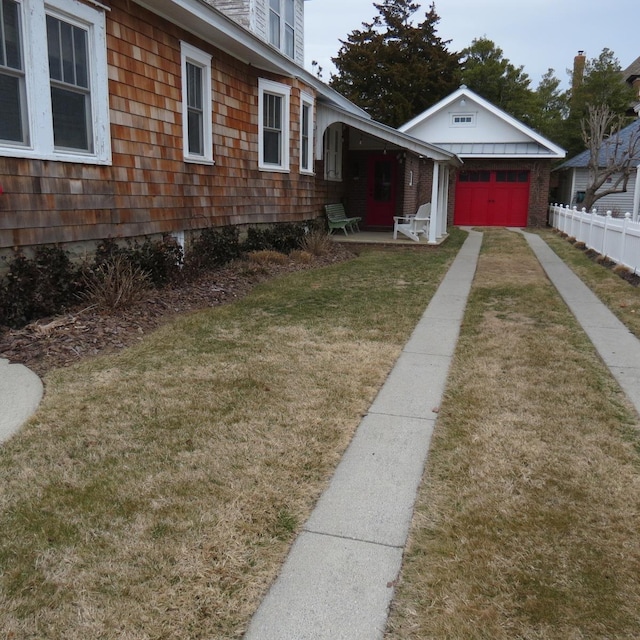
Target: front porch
384	238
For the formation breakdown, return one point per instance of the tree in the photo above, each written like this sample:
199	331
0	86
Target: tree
611	154
489	74
394	69
552	108
602	84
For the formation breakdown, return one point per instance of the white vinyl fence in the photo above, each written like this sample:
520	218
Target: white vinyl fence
616	238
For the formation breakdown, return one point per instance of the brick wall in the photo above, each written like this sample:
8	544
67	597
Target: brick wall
149	189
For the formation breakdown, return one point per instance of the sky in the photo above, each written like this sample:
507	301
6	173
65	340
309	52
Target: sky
534	34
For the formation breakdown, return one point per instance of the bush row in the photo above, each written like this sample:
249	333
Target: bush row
50	282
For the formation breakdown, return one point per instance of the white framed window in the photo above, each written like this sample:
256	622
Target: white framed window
463	120
54	98
273	125
333	152
197	134
282	31
306	132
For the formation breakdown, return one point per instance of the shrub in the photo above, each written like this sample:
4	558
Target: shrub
214	247
37	287
161	260
281	237
116	283
316	242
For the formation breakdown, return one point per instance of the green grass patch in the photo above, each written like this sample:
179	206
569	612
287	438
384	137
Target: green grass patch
156	492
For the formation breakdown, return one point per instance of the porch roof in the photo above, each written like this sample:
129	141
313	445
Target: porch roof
328	114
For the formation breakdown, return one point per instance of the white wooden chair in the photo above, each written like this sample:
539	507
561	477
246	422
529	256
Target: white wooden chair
412	226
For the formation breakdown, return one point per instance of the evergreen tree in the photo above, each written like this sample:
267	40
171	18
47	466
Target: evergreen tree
489	74
394	69
552	108
602	85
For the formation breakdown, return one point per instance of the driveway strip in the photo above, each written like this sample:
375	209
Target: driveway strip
338	580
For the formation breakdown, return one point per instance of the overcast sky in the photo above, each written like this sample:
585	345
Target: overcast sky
535	34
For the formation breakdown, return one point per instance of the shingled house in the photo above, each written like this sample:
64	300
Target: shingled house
125	118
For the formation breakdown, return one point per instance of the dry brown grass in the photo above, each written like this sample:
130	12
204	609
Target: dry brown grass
155	493
526	523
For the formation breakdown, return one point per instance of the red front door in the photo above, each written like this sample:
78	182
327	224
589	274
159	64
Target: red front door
381	191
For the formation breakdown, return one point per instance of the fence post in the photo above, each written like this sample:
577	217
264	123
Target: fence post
589	241
623	243
604	235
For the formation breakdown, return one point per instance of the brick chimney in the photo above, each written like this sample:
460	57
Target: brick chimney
579	63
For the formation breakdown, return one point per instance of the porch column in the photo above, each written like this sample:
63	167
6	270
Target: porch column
435	205
444	199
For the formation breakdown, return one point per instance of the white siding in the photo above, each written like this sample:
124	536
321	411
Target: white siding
617	202
254	16
485	126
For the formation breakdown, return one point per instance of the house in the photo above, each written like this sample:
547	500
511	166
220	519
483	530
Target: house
574	177
631	76
132	118
505	177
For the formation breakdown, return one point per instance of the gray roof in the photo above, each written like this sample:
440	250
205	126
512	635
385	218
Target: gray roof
484	149
632	71
582	159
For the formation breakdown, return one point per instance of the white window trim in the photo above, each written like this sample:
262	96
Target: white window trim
308	101
200	59
38	88
470	120
284	91
333	157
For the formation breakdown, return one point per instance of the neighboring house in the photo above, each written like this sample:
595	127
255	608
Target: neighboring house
124	118
505	177
632	77
574	176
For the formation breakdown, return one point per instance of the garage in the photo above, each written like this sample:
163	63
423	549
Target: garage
490	198
504	180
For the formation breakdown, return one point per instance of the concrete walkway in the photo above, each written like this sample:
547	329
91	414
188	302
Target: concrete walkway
616	345
337	582
20	394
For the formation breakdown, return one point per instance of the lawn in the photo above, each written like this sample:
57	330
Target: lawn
527	519
156	492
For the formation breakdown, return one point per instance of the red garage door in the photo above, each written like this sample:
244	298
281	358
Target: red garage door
492	198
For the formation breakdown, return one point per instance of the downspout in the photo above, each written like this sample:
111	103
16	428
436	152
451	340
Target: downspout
435	205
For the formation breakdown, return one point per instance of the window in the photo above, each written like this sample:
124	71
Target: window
463	120
197	136
282	17
273	117
306	133
70	92
333	152
13	125
53	81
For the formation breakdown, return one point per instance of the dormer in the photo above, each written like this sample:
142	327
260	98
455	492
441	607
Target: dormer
278	22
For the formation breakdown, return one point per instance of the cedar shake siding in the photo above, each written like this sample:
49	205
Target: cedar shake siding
149	188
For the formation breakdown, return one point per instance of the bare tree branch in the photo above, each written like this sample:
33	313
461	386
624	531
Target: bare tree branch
611	157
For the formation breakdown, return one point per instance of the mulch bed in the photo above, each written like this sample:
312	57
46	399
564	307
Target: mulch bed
87	331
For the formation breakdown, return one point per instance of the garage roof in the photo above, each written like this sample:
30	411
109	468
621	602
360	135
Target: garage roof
471	127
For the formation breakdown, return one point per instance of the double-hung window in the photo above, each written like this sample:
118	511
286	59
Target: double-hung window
54	100
196	105
13	123
282	19
67	45
306	133
273	118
